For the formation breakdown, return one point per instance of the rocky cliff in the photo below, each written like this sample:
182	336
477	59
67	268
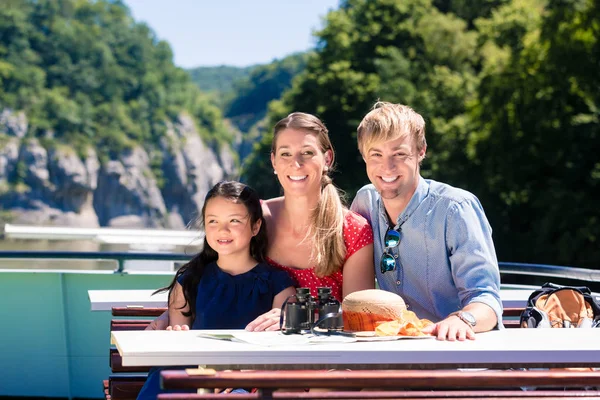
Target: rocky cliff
51	184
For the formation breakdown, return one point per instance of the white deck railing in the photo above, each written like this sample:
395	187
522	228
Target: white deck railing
106	235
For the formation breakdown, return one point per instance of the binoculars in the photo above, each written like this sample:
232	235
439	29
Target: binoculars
302	312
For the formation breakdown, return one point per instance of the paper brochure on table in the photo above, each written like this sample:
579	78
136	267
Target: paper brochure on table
279	339
259	338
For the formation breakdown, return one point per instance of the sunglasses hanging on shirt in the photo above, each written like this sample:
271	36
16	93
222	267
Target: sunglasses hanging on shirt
390	240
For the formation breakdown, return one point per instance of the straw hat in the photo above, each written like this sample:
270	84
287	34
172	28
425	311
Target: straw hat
365	309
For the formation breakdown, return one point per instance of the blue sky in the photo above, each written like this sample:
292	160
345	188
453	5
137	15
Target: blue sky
232	32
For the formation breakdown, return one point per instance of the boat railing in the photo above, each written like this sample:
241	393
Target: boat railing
120	259
154	237
552	271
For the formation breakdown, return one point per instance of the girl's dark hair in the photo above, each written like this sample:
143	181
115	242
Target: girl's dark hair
193	270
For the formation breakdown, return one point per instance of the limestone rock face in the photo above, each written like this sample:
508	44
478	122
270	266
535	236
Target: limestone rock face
126	187
13	123
35	159
55	185
74	180
190	169
9	154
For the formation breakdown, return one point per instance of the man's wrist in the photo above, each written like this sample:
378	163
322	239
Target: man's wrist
466	317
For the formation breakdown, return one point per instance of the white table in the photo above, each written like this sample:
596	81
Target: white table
104	300
497	349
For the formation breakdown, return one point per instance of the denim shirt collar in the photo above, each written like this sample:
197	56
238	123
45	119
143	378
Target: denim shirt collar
417	198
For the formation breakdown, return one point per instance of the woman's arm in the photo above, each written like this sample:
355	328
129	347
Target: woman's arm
160	323
359	273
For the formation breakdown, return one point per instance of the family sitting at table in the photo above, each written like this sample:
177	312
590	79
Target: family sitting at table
432	243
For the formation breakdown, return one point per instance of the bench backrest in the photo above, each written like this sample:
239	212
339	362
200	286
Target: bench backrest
382	379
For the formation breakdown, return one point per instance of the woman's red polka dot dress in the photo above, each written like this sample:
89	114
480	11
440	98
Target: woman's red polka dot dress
357	234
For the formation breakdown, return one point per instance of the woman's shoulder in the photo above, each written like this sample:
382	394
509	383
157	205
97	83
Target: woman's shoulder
357	232
271	207
354	219
272	201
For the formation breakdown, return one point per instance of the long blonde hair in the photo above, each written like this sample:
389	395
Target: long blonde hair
326	227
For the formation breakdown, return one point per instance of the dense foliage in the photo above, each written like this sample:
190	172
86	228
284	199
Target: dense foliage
243	94
85	73
220	79
263	84
536	130
510	92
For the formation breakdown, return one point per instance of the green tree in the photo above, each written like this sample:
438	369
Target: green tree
400	51
469	10
219	80
263	84
87	74
536	141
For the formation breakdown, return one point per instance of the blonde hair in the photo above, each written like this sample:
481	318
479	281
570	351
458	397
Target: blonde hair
388	121
326	227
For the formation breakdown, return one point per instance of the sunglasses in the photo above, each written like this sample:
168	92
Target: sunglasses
388	261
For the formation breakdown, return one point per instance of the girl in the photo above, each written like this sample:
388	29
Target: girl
228	284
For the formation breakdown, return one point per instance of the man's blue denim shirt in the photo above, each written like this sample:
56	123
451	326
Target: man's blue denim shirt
446	256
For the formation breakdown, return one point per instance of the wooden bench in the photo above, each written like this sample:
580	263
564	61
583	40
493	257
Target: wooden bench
511	317
403	395
138	312
125	383
384	384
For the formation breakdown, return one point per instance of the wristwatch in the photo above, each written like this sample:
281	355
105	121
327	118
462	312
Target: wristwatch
467	318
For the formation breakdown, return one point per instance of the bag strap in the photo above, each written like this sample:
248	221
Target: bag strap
554	286
549	288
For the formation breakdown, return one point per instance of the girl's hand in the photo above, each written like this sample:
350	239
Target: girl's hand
178	328
269	321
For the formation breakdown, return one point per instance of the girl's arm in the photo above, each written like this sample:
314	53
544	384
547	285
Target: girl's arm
269	321
176	302
358	272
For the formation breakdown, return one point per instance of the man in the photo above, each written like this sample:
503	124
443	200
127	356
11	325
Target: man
435	243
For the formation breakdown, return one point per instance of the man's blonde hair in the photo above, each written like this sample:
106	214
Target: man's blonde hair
388	121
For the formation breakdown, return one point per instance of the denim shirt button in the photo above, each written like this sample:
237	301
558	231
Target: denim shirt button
398	283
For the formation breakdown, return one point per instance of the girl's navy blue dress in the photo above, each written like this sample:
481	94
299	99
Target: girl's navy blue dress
227	302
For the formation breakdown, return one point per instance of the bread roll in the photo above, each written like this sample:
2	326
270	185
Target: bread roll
365	309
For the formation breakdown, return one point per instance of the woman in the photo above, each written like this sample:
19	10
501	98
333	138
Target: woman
311	234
